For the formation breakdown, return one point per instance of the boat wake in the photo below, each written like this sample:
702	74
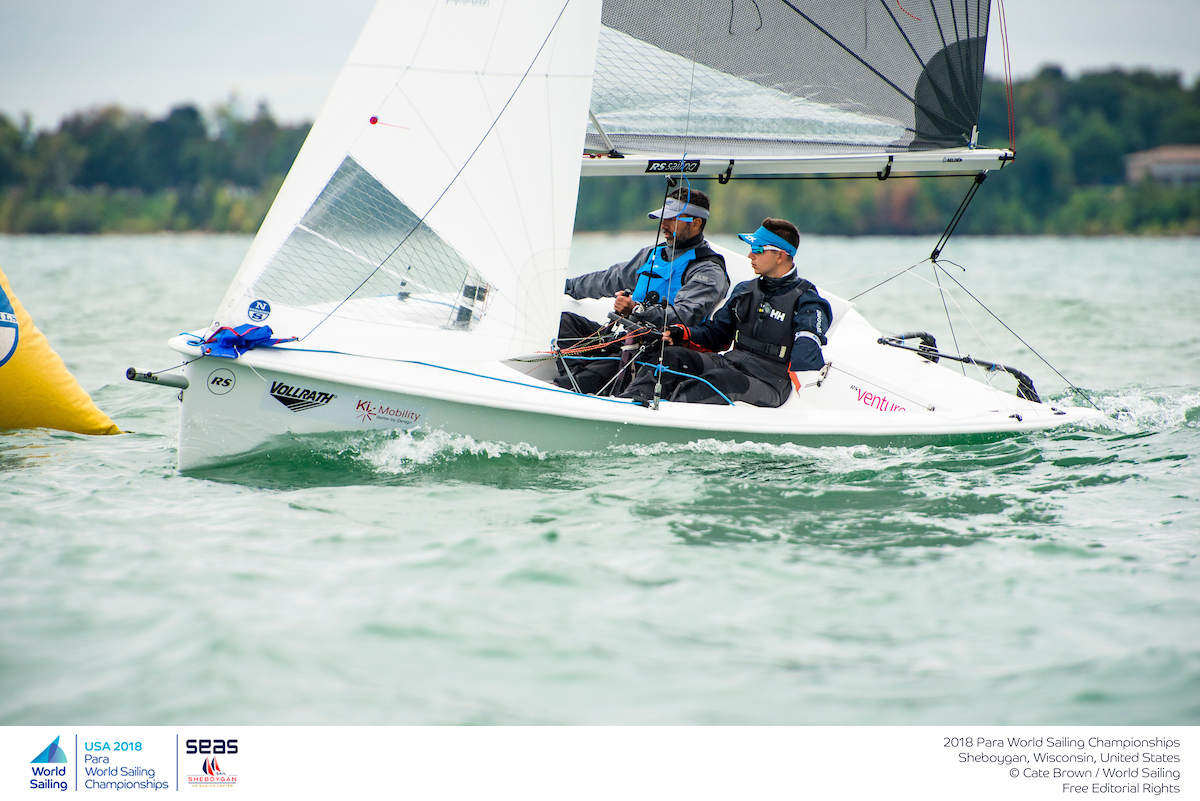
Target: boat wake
1137	410
404	453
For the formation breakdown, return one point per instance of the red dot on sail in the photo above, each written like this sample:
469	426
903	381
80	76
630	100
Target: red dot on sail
374	120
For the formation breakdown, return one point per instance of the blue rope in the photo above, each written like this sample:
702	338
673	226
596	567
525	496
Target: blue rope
473	375
658	367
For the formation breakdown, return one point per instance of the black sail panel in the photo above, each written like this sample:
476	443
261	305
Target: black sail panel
789	77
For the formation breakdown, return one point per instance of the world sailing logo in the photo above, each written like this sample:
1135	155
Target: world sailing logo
52	753
298	399
10	332
45	778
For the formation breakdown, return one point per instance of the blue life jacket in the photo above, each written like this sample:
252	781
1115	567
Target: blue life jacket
662	276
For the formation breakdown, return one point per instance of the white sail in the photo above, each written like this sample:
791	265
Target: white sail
430	211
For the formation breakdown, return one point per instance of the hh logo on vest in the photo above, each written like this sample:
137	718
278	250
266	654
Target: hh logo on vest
774	314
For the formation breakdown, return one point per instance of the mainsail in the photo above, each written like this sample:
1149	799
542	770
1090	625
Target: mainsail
789	77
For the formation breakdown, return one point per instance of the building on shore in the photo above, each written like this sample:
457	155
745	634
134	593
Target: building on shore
1169	164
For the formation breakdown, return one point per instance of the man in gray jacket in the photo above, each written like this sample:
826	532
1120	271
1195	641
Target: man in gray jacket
682	279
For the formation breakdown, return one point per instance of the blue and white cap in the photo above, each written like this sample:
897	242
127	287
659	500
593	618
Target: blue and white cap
764	238
677	208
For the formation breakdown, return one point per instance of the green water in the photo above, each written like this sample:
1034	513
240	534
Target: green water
382	579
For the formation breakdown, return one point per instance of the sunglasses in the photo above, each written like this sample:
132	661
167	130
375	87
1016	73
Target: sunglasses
760	249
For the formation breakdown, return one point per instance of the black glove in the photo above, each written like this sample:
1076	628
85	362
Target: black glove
677	334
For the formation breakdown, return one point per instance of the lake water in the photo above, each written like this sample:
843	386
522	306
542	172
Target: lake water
1050	578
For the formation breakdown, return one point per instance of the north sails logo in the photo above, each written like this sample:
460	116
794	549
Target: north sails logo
298	399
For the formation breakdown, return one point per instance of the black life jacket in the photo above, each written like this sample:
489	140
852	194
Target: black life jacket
765	322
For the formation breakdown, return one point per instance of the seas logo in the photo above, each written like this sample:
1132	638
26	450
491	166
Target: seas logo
298	399
47	778
259	310
10	332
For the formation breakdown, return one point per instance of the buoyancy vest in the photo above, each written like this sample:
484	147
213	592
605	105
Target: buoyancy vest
666	277
765	324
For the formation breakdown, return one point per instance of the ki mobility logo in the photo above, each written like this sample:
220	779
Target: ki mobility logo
48	778
210	774
367	411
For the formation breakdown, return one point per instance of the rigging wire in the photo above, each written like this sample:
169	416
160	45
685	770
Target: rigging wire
884	281
1008	84
1014	333
949	322
687	131
939	269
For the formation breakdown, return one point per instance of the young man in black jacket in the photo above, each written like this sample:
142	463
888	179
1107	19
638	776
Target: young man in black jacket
776	324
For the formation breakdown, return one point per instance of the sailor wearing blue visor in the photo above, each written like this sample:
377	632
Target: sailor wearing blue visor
682	279
772	329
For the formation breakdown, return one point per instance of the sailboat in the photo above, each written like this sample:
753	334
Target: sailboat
411	268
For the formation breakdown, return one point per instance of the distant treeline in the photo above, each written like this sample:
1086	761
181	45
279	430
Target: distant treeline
111	170
108	169
1072	138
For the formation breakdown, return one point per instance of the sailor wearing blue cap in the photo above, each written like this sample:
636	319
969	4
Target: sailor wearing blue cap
682	278
775	325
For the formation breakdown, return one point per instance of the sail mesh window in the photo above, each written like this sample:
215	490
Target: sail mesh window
781	77
360	246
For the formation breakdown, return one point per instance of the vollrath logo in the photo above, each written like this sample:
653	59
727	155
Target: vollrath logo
299	398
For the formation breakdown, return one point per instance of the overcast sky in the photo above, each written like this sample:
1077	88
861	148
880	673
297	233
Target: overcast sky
59	56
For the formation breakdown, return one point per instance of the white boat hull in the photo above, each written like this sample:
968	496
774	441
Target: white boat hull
871	393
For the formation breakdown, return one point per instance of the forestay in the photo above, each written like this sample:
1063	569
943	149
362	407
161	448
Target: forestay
429	213
789	77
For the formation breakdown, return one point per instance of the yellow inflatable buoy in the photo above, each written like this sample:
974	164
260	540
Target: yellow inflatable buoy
36	388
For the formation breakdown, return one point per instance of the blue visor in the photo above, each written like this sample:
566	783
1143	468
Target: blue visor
763	237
